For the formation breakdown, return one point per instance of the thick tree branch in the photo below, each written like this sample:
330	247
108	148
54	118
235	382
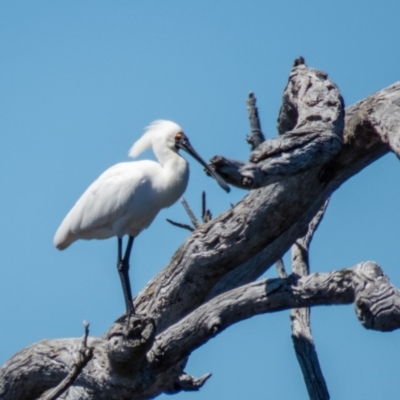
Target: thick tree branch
237	247
113	368
377	305
310	124
376	301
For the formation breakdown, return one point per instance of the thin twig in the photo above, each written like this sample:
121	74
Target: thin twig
280	268
205	214
314	224
179	225
83	356
189	211
257	136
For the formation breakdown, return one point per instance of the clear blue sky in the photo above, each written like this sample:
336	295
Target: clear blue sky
79	80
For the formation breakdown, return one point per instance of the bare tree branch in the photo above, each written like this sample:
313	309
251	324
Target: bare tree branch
189	211
180	225
257	136
209	283
206	215
300	318
310	124
216	257
188	383
280	267
307	355
83	356
377	305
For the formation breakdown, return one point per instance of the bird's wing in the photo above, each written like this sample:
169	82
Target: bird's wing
105	201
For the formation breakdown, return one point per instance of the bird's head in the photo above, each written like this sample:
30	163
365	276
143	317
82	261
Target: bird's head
162	135
158	135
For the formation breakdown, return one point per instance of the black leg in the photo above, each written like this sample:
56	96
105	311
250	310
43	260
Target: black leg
123	270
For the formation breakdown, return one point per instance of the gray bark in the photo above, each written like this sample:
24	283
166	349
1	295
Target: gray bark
136	374
300	318
256	137
209	283
310	125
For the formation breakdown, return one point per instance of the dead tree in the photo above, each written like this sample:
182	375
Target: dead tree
212	281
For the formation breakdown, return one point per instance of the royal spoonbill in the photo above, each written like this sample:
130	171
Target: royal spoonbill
125	199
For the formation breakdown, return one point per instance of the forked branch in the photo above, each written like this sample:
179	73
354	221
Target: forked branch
83	355
310	125
376	301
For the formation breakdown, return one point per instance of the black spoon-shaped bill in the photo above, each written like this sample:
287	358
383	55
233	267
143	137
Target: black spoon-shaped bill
183	143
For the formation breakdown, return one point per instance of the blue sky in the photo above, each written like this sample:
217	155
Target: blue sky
79	80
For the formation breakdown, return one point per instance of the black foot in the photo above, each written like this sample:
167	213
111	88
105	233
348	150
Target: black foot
128	316
130	311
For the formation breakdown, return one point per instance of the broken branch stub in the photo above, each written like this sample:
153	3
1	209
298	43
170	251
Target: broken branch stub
310	126
256	137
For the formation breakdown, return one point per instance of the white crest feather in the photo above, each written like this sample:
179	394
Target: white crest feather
142	144
151	133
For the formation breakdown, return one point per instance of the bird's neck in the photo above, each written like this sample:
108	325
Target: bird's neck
175	178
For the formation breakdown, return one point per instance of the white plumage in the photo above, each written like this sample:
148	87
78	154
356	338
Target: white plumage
125	199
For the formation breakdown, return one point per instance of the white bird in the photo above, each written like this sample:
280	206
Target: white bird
125	199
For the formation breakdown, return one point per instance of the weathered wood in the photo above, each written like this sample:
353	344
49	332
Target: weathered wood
39	366
302	196
256	137
128	341
116	369
82	357
261	228
376	301
188	383
198	294
180	225
310	125
206	215
300	318
190	213
280	269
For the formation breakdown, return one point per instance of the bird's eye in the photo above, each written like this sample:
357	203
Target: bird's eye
179	136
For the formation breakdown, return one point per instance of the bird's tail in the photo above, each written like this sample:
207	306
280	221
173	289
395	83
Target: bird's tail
63	238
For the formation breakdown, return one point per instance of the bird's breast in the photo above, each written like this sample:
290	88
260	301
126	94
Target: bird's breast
175	181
